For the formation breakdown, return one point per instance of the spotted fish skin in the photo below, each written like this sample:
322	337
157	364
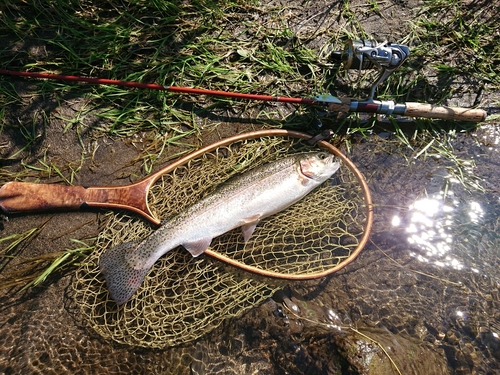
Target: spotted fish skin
123	280
241	202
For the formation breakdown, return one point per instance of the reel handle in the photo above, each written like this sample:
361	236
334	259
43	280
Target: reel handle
446	113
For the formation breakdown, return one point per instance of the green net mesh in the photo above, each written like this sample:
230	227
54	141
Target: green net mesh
183	297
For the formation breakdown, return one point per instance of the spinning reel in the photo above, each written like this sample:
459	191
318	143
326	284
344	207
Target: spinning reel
387	57
366	54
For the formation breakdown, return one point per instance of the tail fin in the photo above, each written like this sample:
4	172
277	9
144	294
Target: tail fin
122	279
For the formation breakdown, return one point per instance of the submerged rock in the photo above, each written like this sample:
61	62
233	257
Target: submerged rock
411	356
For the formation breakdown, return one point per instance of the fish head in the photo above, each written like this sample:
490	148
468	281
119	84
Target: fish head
318	166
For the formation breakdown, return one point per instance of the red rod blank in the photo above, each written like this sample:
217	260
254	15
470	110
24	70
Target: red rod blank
154	86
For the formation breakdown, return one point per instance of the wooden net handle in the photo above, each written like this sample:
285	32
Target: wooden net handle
26	197
23	197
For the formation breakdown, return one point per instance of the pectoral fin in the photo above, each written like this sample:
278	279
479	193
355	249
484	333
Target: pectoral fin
248	230
197	247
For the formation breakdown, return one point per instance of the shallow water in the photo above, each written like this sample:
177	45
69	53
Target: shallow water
426	288
432	269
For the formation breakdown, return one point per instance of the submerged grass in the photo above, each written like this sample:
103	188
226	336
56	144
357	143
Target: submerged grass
230	45
57	262
14	240
31	272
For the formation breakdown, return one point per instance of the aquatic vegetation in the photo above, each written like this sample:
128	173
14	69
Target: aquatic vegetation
32	271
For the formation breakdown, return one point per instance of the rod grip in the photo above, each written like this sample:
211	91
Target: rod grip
445	113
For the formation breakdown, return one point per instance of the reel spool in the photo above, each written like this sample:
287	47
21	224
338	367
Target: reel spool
366	54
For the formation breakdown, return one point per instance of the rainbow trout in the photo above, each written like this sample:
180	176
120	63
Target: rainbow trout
241	202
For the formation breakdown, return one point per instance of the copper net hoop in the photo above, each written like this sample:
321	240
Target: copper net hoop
293	134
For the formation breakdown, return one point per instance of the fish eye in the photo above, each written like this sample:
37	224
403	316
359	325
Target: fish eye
322	156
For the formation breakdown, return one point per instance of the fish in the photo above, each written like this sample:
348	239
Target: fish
242	201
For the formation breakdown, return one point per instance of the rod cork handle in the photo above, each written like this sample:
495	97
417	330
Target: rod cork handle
445	113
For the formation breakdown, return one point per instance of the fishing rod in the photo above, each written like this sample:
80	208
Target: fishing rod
386	57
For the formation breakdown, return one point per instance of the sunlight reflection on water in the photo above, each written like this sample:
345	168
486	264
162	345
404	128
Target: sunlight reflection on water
436	225
430	225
